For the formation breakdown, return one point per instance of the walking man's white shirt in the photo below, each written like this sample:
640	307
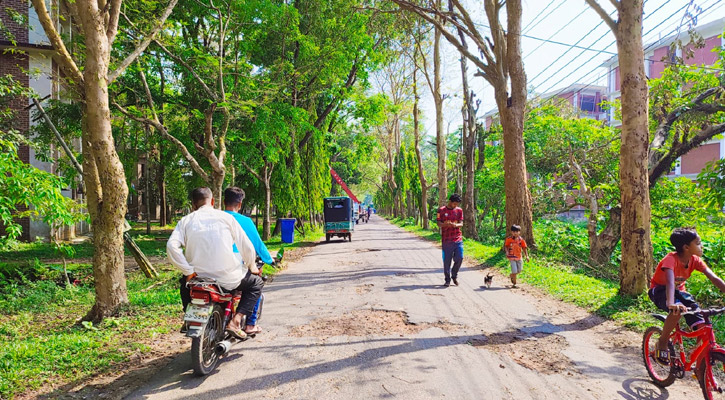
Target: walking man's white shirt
207	236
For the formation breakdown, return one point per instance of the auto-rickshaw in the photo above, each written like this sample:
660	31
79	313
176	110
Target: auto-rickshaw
339	218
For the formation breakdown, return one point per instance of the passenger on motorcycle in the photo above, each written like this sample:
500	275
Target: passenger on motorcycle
208	236
233	198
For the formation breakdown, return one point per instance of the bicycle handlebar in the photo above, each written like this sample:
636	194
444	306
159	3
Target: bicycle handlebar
708	312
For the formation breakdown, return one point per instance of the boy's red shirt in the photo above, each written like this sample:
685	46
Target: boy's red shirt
450	234
671	261
513	247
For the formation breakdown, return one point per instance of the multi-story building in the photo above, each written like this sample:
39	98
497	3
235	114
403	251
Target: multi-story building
586	100
25	54
657	56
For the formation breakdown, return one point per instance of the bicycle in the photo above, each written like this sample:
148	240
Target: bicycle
708	358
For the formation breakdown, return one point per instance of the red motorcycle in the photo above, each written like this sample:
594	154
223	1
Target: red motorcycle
206	317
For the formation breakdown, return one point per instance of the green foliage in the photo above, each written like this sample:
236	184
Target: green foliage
712	181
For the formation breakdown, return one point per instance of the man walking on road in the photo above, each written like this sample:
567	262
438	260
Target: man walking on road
450	220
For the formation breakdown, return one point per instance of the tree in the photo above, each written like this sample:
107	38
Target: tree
103	174
417	58
469	130
501	65
636	265
566	152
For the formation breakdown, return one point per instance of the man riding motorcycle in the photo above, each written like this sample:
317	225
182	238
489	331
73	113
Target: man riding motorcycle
207	236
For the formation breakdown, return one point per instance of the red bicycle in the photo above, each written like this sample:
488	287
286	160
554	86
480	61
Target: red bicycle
707	358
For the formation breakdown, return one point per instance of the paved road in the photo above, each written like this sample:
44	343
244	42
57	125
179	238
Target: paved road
324	337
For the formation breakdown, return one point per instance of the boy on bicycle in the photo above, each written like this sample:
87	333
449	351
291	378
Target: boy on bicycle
667	289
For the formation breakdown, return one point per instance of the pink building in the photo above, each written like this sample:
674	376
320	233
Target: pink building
586	99
693	162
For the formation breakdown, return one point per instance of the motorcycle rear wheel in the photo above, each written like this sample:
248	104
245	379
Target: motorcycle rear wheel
203	355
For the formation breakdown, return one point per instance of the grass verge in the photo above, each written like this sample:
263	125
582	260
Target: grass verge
565	282
43	346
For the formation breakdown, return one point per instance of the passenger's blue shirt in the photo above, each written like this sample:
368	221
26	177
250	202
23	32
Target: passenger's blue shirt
251	230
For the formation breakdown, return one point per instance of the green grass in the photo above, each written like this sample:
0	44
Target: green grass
43	343
574	284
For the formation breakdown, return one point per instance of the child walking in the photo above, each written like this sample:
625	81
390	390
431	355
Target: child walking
667	288
515	246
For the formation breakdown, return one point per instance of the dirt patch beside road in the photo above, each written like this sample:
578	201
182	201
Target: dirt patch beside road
539	352
367	322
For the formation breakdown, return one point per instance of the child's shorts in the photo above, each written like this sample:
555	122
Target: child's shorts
658	295
517	266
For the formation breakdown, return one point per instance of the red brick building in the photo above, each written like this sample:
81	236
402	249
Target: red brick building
26	54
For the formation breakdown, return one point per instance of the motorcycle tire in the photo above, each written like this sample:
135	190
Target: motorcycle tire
203	355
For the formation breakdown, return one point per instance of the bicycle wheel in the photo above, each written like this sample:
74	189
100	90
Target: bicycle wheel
717	372
662	375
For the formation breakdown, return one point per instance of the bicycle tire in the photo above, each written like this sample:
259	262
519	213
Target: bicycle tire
717	361
203	357
661	375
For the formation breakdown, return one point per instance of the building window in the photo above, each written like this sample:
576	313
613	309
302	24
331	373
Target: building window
588	103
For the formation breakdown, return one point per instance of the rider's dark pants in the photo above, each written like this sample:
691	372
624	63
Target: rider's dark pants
251	288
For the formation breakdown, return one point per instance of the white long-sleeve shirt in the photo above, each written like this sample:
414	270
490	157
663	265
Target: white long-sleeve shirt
208	236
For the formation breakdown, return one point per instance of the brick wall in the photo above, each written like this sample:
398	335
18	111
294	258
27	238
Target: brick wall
19	32
17	66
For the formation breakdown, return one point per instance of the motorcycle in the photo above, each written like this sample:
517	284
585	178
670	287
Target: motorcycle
206	318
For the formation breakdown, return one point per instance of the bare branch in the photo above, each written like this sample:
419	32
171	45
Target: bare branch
143	45
612	25
62	56
663	130
680	149
251	171
162	129
188	68
423	13
113	13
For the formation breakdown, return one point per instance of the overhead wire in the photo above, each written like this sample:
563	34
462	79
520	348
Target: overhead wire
648	32
531	25
598	52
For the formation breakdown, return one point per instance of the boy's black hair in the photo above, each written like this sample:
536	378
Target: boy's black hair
233	196
682	236
515	228
199	196
455	197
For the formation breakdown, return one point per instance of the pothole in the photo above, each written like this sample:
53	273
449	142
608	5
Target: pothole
368	322
540	352
362	289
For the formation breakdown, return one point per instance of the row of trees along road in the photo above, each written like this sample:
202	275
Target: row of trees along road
622	189
259	94
268	96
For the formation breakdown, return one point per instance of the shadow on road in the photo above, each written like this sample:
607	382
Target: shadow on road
641	389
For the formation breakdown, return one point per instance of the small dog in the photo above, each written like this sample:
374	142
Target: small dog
488	280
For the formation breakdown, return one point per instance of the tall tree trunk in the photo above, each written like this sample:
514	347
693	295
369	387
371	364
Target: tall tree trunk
438	101
636	267
601	249
106	182
266	234
161	187
423	204
511	110
469	150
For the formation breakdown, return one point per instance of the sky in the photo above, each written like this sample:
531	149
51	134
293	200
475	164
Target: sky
550	66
